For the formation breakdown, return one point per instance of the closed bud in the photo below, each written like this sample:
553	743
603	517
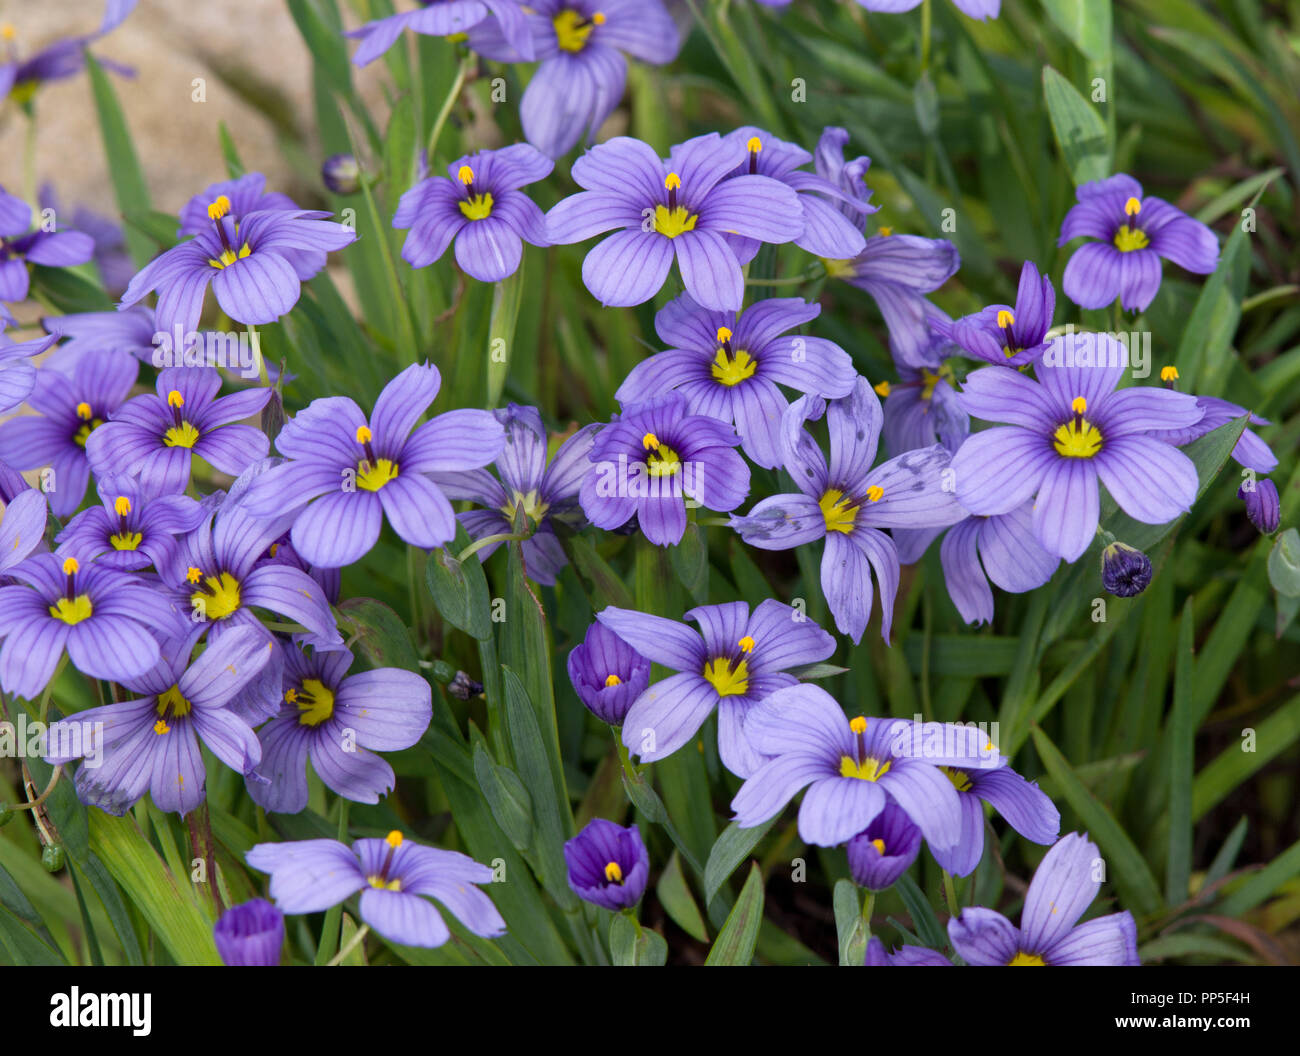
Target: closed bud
52	858
1125	570
1263	506
462	687
341	174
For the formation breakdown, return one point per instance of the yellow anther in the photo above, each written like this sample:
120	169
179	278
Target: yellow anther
880	846
193	574
121	506
175	399
219	208
465	174
858	725
70	566
724	335
614	873
364	436
746	644
598	18
393	839
650	442
291	696
754	145
612	680
1079	405
1168	373
875	493
1132	207
886	231
1005	318
160	727
84	412
882	388
673	181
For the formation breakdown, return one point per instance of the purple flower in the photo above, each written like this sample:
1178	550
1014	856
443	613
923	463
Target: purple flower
252	261
735	660
728	366
130	330
1263	506
848	503
898	270
66	57
341	174
827	231
981	9
1065	432
250	934
334	720
922	410
662	211
529	494
1007	336
1125	570
580	46
608	865
22	530
849	176
1133	233
309	876
904	956
156	436
1250	451
100	615
20	246
71	409
884	850
151	743
649	461
443	18
607	674
134	526
17	374
1063	887
853	770
358	473
482	207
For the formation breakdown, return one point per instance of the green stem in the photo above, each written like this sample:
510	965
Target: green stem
357	938
449	103
330	930
34	803
868	905
255	339
489	540
793	281
925	35
950	894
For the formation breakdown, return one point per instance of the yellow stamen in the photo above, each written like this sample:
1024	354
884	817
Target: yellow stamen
380	884
373	477
465	174
879	845
754	145
724	335
364	436
886	231
172	702
614	873
649	441
1077	439
183	435
1132	207
882	388
858	725
229	256
161	727
746	644
220	598
1005	318
84	412
175	399
960	781
393	839
126	540
729	681
1128	239
1168	373
193	574
875	493
672	182
70	566
572	31
479	207
121	505
838	510
612	680
218	208
1079	405
867	770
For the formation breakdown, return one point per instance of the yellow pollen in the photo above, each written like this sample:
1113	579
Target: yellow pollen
732	370
649	441
673	222
1005	318
372	478
729	681
161	727
882	388
321	705
193	574
614	873
838	511
465	174
858	725
875	493
612	680
219	208
121	505
930	379
867	770
1132	207
1168	373
754	145
1079	405
1028	960
84	412
125	540
672	182
275	547
183	435
746	644
380	884
879	845
478	207
886	231
1128	239
72	610
70	566
290	695
175	399
393	839
960	781
229	256
1077	439
724	335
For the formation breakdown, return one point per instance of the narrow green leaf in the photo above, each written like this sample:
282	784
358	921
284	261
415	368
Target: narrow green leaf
739	935
1079	130
729	850
632	946
129	186
506	795
678	902
849	925
378	633
460	591
1182	737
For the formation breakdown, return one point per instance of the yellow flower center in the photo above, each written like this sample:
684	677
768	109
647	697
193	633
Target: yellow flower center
72	610
171	704
125	540
663	461
382	884
1127	239
477	207
183	435
838	511
960	781
221	597
672	222
839	269
1025	960
572	29
879	845
373	477
228	257
728	679
612	680
315	702
614	873
83	433
733	369
867	770
1077	438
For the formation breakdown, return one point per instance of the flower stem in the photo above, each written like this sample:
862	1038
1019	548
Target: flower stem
357	938
34	803
868	905
489	540
950	894
255	339
449	103
925	35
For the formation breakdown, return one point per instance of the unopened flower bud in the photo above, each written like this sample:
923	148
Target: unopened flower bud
1125	570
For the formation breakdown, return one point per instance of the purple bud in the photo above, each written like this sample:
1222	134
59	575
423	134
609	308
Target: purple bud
250	934
341	174
607	674
884	850
608	865
1125	570
1263	506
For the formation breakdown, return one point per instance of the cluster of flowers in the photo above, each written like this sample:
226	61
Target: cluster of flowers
159	592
